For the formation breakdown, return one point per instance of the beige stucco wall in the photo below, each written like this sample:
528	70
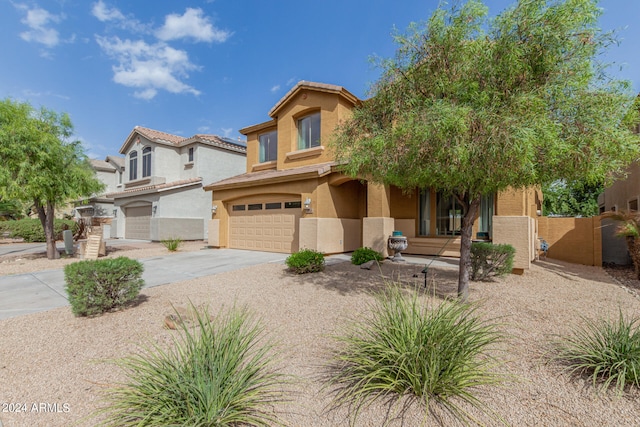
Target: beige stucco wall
622	191
375	232
519	232
213	237
330	235
576	240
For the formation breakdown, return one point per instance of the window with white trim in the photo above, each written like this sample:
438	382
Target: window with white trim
133	165
146	162
268	143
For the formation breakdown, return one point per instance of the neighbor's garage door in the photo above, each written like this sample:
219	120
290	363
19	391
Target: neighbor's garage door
138	223
264	226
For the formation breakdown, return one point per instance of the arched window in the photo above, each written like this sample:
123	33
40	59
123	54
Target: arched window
133	165
146	161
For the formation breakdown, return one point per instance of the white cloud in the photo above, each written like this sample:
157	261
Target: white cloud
40	31
101	11
193	24
148	67
204	129
226	132
275	88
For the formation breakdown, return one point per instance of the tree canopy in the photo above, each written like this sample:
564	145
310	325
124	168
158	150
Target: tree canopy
472	105
40	164
571	198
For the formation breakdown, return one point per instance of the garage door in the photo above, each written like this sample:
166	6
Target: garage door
268	226
138	223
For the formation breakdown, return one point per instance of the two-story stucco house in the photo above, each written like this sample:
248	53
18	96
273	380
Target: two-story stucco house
99	207
293	196
161	195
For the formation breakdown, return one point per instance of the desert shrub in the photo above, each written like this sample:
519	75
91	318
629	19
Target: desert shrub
305	261
220	373
362	255
30	229
97	286
172	245
608	352
404	346
488	260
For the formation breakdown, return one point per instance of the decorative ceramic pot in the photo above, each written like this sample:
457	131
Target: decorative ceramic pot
397	244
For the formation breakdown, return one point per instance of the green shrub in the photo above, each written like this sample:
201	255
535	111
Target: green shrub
30	229
608	352
406	347
362	255
172	244
95	287
305	261
220	373
488	259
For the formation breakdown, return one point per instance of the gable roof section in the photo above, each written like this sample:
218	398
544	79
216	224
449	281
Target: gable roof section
319	87
156	188
101	165
178	141
273	176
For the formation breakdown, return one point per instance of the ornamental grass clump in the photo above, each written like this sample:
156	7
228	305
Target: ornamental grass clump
434	354
218	372
172	245
607	352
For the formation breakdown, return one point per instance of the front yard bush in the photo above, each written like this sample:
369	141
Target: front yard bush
219	373
305	261
30	229
362	255
608	352
405	346
489	260
95	287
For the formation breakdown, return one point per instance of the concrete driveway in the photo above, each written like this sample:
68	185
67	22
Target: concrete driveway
43	290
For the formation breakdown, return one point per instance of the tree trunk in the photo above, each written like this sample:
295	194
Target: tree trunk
466	234
46	215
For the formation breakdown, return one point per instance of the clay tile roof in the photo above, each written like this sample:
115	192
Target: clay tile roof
323	87
101	165
156	187
156	135
245	179
118	161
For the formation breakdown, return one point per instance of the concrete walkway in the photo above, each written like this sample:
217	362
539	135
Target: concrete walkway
44	290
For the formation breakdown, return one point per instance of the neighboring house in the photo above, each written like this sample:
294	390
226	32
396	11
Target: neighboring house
99	208
293	196
622	195
161	195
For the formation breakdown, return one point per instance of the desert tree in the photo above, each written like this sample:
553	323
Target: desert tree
472	105
41	164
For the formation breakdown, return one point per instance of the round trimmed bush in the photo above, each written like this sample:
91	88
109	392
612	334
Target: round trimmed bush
362	255
305	261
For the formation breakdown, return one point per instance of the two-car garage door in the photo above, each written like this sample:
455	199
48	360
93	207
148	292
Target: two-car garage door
265	226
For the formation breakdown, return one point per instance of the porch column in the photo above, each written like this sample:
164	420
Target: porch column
378	225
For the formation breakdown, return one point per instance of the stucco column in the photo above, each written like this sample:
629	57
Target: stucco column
378	225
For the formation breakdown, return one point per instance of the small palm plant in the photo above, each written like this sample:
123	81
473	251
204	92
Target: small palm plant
629	228
214	375
436	354
608	352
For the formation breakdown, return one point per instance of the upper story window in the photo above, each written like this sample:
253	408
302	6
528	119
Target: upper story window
119	177
146	162
190	154
309	131
133	165
268	146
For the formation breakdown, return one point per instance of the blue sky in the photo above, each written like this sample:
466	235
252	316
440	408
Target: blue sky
215	66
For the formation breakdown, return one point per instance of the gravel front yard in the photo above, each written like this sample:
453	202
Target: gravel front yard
55	359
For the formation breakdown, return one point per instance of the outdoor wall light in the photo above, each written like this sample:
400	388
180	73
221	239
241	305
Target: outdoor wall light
214	209
115	213
307	205
155	209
